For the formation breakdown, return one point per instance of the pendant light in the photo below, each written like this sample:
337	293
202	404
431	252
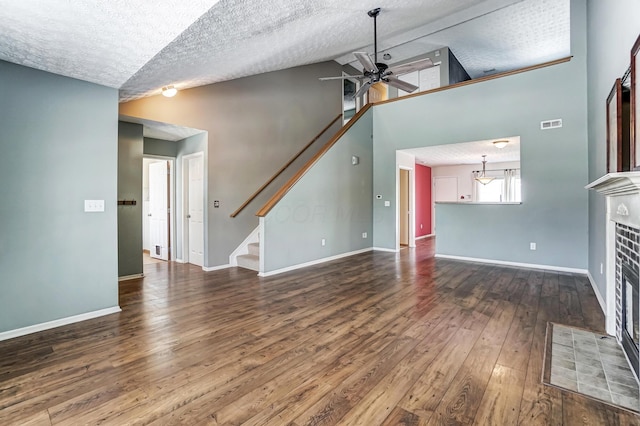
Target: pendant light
169	91
483	178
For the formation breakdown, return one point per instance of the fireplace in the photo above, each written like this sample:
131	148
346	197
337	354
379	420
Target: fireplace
622	243
627	292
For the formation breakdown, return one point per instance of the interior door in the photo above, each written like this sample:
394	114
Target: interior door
404	207
159	210
195	214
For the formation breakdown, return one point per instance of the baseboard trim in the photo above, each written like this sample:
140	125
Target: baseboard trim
6	335
313	262
425	236
516	264
386	250
179	261
215	268
130	277
603	305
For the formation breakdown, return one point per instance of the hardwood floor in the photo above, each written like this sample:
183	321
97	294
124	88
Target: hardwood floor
373	339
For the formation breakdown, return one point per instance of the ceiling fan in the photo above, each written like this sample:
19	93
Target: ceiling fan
374	71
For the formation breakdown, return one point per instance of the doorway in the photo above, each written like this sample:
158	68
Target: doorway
193	205
158	209
405	202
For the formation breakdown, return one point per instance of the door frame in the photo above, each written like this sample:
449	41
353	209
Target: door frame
184	223
412	206
172	201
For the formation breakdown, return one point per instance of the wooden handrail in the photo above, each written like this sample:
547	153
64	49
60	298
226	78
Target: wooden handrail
295	178
479	80
283	168
287	186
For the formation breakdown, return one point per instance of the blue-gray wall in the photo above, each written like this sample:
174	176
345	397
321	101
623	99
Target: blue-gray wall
612	29
130	147
160	147
59	148
554	212
331	201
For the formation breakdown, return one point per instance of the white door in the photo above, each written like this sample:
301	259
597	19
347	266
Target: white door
159	210
195	213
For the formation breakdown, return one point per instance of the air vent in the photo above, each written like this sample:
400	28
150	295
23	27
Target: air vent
551	124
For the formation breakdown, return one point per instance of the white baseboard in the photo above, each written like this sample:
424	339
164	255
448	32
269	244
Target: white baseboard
57	323
313	262
385	249
215	268
130	277
516	264
603	305
425	236
179	261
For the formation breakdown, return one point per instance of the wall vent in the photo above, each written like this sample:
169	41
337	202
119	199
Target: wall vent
551	124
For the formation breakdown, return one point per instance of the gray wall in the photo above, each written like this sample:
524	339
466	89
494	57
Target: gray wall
59	148
331	201
160	147
130	147
553	162
255	124
612	30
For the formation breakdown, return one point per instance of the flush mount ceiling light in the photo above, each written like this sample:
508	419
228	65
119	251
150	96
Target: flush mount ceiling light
482	177
500	144
169	91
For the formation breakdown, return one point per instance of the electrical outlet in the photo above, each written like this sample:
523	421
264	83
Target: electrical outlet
387	203
532	246
364	235
420	226
323	242
93	206
601	269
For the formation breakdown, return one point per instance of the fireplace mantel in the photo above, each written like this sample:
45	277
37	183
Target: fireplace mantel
622	193
617	184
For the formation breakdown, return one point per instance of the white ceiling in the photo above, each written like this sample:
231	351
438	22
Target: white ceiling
467	153
140	46
158	130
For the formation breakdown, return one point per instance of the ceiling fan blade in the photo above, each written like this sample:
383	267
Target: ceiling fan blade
365	60
363	89
341	78
399	84
411	66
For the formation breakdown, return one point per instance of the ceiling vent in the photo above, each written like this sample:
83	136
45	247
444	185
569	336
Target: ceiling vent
551	124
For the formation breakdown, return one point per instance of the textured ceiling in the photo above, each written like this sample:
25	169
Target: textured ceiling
140	46
158	130
467	153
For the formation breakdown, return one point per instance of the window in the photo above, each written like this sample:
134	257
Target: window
495	191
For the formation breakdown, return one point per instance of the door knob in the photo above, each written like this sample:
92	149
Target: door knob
188	216
149	214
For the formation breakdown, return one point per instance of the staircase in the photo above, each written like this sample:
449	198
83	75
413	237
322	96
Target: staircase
251	260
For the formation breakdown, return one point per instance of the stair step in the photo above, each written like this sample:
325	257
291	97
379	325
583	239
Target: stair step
249	261
254	248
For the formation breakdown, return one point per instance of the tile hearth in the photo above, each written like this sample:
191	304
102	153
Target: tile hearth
594	365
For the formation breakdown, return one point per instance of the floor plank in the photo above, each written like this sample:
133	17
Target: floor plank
375	339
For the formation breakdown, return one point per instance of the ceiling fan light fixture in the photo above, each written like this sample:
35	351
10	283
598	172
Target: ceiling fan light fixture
500	144
169	91
482	177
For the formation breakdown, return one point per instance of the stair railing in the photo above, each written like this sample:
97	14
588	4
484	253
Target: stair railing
283	168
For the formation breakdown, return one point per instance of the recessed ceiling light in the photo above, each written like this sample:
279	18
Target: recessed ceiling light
169	91
500	144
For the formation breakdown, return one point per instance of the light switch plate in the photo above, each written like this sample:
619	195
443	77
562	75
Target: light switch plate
93	206
387	203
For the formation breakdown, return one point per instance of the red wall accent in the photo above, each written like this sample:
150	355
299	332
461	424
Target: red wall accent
423	200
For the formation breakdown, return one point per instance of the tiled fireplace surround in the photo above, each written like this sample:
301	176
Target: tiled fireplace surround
622	191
